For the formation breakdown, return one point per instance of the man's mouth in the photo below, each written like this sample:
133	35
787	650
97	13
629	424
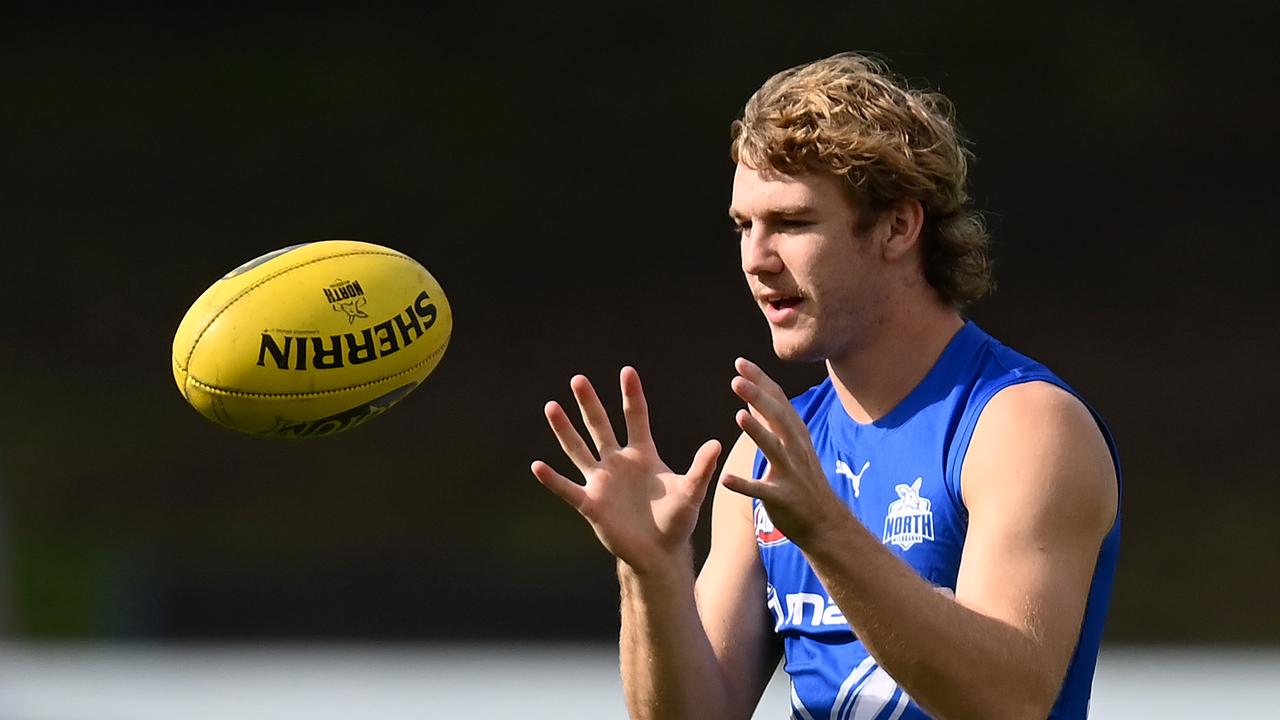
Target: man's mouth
779	308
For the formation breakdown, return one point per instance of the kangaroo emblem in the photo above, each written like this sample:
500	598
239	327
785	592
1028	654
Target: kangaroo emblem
352	308
910	517
910	499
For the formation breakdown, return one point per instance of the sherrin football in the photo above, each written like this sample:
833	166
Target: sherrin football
311	339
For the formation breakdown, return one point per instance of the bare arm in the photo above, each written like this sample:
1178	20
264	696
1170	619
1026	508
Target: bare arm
666	669
731	592
683	654
1041	492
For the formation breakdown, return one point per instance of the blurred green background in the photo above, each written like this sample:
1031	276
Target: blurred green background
563	171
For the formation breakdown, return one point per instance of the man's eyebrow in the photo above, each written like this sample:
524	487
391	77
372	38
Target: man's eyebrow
780	211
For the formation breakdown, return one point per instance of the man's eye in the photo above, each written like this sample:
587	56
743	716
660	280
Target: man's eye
739	228
794	224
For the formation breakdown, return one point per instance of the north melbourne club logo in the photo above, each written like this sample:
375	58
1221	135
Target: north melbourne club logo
766	534
347	297
910	517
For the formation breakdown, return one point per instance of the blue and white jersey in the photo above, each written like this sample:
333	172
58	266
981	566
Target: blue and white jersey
900	475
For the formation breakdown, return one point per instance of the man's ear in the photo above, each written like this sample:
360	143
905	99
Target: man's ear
905	222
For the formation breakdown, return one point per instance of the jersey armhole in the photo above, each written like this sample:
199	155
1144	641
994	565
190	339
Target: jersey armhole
959	446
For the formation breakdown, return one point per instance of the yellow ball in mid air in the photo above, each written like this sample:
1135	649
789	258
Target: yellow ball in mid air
311	339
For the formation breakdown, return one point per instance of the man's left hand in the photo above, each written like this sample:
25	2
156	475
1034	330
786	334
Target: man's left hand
795	491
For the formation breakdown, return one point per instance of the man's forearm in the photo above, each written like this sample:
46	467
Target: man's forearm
669	670
954	661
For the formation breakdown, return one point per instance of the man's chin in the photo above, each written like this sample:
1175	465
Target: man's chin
792	351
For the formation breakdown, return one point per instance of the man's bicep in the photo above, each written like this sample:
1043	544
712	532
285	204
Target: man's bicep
731	591
1040	487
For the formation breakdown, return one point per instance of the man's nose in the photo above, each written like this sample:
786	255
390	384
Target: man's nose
759	254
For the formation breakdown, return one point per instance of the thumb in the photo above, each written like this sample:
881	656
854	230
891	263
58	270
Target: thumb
702	468
743	486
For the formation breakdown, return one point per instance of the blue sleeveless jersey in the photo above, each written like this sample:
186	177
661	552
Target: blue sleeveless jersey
900	475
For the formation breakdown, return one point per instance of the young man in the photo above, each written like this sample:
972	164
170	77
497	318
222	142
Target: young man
931	531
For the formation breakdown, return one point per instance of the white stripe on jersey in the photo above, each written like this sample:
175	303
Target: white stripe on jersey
797	706
873	696
903	699
854	677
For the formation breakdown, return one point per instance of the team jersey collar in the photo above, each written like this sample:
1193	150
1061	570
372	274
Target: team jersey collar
935	386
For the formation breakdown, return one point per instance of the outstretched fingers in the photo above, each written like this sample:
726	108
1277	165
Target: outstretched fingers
766	400
702	468
575	448
743	486
771	423
635	408
751	487
593	413
764	438
564	488
757	375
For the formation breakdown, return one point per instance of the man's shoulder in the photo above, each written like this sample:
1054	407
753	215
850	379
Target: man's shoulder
1001	369
1043	438
1041	399
997	353
1018	399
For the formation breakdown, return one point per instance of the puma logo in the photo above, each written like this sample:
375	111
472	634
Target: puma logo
842	468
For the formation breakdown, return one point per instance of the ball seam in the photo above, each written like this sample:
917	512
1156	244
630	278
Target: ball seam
243	293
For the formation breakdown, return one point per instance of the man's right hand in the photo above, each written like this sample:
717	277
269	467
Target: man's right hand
642	511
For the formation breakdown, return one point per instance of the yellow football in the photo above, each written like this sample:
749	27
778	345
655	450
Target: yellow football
311	339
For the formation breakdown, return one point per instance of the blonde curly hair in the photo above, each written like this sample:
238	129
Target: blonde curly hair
847	115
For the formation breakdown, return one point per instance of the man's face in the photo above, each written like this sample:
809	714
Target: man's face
813	276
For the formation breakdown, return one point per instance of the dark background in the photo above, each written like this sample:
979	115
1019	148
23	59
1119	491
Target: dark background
564	172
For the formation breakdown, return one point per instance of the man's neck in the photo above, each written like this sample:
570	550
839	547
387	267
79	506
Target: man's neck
872	380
